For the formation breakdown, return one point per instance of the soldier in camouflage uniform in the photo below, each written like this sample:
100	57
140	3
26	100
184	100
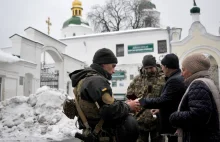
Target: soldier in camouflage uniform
148	83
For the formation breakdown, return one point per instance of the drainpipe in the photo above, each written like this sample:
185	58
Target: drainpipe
169	38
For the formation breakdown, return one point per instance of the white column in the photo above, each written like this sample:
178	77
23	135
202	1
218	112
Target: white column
195	17
60	66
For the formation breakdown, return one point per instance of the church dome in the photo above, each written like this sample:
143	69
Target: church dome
75	20
195	8
77	3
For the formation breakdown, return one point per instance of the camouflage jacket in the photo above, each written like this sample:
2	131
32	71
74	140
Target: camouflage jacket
150	87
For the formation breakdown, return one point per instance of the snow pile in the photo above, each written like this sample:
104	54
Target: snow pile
37	116
8	58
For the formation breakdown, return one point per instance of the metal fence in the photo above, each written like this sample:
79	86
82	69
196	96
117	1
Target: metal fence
50	79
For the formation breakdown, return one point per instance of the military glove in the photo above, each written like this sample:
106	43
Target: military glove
91	137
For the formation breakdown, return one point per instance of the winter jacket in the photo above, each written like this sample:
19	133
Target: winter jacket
168	101
198	116
94	86
150	86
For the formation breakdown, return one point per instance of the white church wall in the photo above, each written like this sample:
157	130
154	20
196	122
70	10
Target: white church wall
9	82
14	77
50	42
10	87
25	48
27	69
76	30
60	66
70	65
38	67
16	44
28	51
45	39
84	47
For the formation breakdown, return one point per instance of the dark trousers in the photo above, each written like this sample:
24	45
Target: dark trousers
172	138
154	136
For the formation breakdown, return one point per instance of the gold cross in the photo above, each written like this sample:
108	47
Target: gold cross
48	24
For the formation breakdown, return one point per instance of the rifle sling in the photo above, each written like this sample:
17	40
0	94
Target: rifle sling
82	116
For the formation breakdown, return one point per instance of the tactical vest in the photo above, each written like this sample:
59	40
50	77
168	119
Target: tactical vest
89	109
91	112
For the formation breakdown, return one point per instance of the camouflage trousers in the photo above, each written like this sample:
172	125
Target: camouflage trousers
150	136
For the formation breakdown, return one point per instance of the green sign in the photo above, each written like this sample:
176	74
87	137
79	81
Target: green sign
141	48
118	75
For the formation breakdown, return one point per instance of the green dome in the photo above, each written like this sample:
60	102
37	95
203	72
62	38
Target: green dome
195	10
75	20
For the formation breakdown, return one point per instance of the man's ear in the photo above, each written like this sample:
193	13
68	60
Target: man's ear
165	66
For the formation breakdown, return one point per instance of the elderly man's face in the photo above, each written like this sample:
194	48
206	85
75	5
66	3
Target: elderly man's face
110	68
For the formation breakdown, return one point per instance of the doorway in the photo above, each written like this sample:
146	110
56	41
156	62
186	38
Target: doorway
28	84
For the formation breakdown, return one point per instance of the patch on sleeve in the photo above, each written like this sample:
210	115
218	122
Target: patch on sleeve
107	98
103	90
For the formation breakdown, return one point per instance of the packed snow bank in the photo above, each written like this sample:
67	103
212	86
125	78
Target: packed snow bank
38	116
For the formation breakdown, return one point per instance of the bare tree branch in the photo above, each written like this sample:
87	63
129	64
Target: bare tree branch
118	15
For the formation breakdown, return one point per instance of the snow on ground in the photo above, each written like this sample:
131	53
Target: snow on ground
6	57
38	117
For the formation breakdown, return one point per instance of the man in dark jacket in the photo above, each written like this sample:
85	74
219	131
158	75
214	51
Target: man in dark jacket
171	95
94	95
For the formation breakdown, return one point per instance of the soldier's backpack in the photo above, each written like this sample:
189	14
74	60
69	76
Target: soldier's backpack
69	105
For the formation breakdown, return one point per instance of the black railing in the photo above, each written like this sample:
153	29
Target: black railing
49	79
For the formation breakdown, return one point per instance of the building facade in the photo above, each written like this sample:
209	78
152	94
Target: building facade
23	76
129	46
200	41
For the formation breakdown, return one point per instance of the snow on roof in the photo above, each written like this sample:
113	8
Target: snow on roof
7	57
115	33
82	25
5	47
36	118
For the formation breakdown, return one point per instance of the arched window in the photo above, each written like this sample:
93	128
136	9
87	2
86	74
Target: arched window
76	13
79	12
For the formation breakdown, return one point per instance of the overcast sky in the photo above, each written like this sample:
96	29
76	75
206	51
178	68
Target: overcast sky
16	15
